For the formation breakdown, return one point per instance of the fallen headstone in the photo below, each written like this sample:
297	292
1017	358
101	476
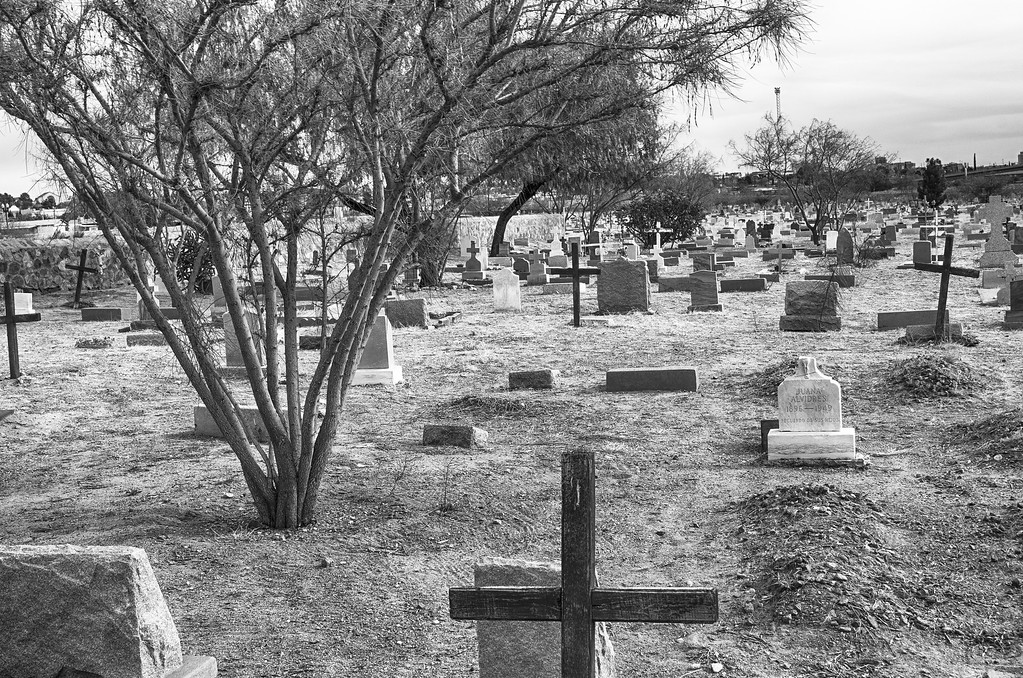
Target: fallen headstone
673	378
541	379
101	314
454	435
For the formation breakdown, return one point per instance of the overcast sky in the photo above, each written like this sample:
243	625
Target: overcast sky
922	78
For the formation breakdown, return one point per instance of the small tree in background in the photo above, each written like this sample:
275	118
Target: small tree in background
674	214
931	188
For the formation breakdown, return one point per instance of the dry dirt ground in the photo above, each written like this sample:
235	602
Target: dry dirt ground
911	567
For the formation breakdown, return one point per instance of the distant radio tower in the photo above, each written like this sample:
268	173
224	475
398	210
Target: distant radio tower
777	100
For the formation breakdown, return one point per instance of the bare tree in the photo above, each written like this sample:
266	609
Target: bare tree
822	167
240	121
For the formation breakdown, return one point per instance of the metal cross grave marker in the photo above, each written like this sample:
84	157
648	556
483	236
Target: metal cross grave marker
82	270
578	603
946	269
11	319
575	272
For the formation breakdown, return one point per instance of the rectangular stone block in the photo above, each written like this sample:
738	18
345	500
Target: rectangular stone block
378	377
812	445
653	379
895	320
407	313
101	314
544	379
810	323
766	426
744	285
769	277
811	297
206	426
786	253
624	286
468	437
95	609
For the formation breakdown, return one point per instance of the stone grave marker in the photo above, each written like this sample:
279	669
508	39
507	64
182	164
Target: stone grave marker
830	241
844	249
1014	316
578	603
507	294
235	363
538	273
1009	274
12	317
704	261
473	269
811	306
88	610
995	212
997	251
408	312
219	300
377	364
810	419
704	291
624	287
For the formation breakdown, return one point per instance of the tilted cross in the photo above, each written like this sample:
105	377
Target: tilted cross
578	603
82	270
946	269
11	319
575	272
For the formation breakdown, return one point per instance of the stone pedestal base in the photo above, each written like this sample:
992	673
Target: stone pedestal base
810	323
952	331
196	667
705	307
813	446
386	377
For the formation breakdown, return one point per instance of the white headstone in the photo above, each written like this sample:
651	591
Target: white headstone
507	294
831	241
23	303
810	419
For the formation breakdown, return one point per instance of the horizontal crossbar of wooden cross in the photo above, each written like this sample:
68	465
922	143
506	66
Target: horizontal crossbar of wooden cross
20	318
541	603
572	271
953	270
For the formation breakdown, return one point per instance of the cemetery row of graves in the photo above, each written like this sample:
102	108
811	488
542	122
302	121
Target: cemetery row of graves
775	451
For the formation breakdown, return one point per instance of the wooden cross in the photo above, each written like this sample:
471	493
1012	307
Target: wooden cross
578	603
946	269
11	320
82	270
575	272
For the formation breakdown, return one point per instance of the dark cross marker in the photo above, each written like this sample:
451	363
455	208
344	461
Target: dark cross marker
946	269
575	272
82	270
578	603
12	320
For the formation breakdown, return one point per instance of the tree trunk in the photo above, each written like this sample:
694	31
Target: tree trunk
529	189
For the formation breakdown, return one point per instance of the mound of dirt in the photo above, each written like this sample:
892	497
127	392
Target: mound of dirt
766	381
824	558
999	434
929	375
